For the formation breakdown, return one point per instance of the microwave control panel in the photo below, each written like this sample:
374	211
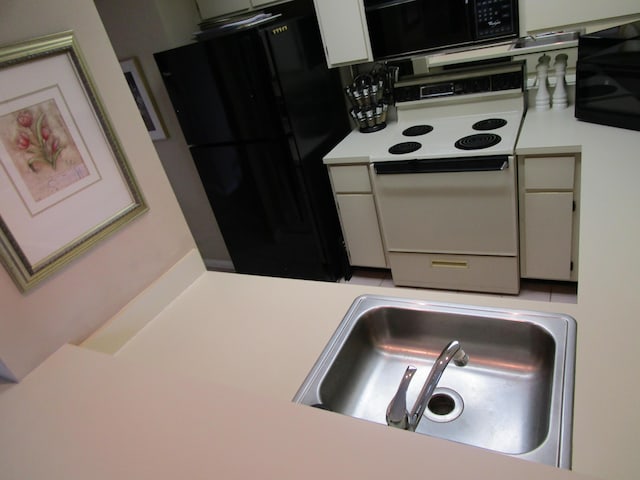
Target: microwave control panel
495	18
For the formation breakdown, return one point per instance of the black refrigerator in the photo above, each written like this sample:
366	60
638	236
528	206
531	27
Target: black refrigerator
259	109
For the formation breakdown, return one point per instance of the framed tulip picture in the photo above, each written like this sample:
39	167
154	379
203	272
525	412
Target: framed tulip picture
65	183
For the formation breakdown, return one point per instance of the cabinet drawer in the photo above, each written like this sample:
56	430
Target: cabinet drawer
549	173
350	179
455	272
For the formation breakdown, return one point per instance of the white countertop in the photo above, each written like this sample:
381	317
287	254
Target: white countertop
84	415
205	388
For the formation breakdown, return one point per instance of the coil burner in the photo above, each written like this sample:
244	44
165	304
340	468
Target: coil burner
478	141
417	130
489	124
404	147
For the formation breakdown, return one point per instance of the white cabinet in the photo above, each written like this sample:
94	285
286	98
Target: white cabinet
549	216
358	215
260	3
344	31
542	15
218	8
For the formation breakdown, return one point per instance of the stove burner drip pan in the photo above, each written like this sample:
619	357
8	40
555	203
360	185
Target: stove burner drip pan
478	141
404	147
489	124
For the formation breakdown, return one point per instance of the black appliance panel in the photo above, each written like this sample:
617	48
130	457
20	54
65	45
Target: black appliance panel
308	95
398	28
608	77
261	209
447	23
490	163
479	83
218	90
260	110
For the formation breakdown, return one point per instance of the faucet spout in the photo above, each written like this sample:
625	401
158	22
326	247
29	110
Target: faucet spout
397	414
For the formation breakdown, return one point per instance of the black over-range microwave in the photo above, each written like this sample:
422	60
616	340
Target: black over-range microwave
608	77
403	27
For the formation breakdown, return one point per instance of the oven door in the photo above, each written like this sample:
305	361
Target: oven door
448	206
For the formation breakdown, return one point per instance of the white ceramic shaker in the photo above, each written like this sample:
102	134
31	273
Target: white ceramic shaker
559	99
543	99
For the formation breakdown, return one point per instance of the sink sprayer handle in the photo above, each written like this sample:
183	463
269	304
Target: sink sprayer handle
397	414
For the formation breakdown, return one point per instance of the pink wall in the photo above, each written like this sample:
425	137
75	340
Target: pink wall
71	304
161	25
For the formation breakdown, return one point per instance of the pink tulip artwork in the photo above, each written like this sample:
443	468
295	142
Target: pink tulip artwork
42	149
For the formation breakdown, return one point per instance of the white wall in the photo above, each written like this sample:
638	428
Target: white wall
139	29
546	15
71	304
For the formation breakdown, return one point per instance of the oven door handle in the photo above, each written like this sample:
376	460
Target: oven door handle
494	163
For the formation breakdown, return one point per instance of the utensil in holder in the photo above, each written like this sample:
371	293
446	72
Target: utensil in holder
370	119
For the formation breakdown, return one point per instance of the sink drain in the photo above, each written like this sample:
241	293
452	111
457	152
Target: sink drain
445	405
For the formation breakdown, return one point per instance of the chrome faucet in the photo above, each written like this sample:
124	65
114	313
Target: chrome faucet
397	414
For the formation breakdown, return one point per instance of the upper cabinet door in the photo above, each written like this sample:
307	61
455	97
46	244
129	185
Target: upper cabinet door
551	14
259	3
344	31
216	8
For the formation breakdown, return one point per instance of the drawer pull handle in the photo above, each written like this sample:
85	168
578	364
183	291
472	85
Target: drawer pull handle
449	264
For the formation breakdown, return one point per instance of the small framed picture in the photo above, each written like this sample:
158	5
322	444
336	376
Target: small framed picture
138	86
65	183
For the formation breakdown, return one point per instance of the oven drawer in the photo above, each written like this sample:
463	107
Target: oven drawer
455	272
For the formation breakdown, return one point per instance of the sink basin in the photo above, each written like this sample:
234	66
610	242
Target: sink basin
546	39
515	396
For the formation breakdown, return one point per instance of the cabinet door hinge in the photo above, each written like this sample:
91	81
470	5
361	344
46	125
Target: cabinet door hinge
574	206
571	267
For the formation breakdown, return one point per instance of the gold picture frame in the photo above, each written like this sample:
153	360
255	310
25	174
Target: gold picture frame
65	183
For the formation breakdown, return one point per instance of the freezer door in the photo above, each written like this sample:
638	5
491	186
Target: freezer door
221	89
309	96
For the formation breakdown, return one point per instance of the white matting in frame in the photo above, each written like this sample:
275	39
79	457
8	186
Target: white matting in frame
38	184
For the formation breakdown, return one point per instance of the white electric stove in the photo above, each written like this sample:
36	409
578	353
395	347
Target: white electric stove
445	117
444	178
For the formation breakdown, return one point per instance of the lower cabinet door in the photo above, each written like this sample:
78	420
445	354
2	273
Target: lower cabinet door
361	230
548	234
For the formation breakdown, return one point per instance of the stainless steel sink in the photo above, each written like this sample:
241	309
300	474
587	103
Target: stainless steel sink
515	396
546	39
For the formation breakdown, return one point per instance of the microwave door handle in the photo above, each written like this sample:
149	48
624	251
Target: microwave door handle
390	3
494	163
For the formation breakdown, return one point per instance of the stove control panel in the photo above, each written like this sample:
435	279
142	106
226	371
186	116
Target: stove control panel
432	88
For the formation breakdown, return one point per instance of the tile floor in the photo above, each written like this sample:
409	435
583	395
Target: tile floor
538	290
